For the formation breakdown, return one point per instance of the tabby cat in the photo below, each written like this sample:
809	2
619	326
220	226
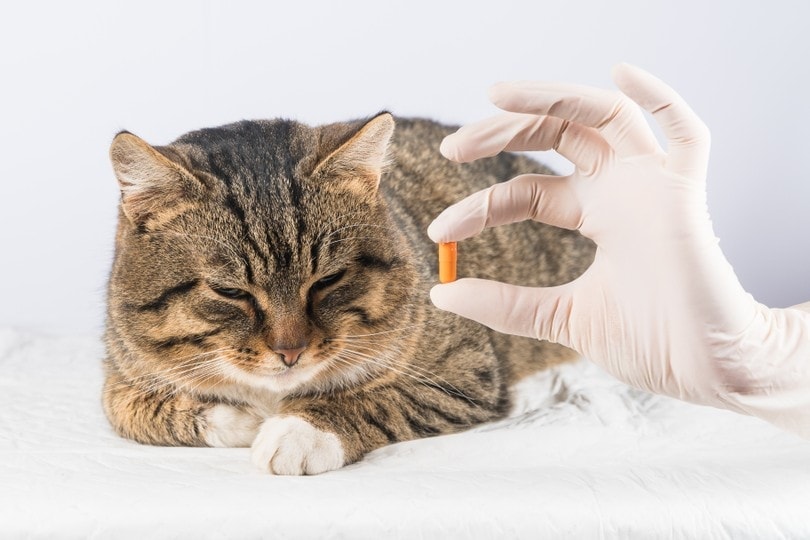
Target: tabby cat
270	289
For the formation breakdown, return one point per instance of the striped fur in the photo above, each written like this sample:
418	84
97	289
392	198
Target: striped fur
240	246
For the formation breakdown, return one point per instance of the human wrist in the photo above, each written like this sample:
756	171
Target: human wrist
770	363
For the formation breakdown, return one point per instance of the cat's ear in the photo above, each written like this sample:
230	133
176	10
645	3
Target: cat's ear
360	161
150	182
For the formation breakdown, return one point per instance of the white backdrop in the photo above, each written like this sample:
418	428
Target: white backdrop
74	73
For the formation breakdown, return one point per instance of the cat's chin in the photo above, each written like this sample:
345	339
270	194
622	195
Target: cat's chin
282	382
290	379
304	378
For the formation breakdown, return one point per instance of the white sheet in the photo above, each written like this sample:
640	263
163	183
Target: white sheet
583	456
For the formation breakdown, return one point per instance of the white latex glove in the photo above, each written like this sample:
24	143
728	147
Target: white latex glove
660	308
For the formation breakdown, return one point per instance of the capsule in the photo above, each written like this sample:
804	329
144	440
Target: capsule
447	262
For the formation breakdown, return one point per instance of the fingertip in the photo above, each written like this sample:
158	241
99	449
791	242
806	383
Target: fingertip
449	149
500	94
495	91
439	295
443	228
435	295
625	74
621	68
453	296
434	231
647	90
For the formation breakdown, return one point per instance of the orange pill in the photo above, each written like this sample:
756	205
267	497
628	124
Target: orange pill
447	262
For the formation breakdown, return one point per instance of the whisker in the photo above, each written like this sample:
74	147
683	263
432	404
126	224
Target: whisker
400	329
176	377
418	374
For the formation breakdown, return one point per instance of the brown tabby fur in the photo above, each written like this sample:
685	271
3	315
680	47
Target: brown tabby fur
272	208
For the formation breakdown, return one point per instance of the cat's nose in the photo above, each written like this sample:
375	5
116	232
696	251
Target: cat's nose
290	353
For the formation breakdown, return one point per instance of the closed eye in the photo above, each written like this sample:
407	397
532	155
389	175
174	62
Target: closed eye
326	281
233	294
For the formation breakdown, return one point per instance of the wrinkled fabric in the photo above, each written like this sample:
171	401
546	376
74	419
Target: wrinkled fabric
581	456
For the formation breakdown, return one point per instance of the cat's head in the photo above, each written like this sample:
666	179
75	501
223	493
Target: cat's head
258	253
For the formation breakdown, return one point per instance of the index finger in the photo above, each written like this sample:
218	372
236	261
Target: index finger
506	132
512	132
617	118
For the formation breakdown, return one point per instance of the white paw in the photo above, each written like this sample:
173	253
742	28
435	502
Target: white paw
230	427
292	446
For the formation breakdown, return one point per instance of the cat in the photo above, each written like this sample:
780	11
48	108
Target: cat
270	289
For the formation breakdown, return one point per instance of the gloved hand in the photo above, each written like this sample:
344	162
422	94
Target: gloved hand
660	308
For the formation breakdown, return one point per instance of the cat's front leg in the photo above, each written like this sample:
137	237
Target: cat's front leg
319	434
290	445
227	426
166	417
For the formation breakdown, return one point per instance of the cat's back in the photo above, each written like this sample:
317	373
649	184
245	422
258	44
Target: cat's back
422	176
421	183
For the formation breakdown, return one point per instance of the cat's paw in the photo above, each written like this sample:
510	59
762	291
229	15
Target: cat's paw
289	445
229	427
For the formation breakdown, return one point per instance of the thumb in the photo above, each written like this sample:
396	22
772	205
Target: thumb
537	312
